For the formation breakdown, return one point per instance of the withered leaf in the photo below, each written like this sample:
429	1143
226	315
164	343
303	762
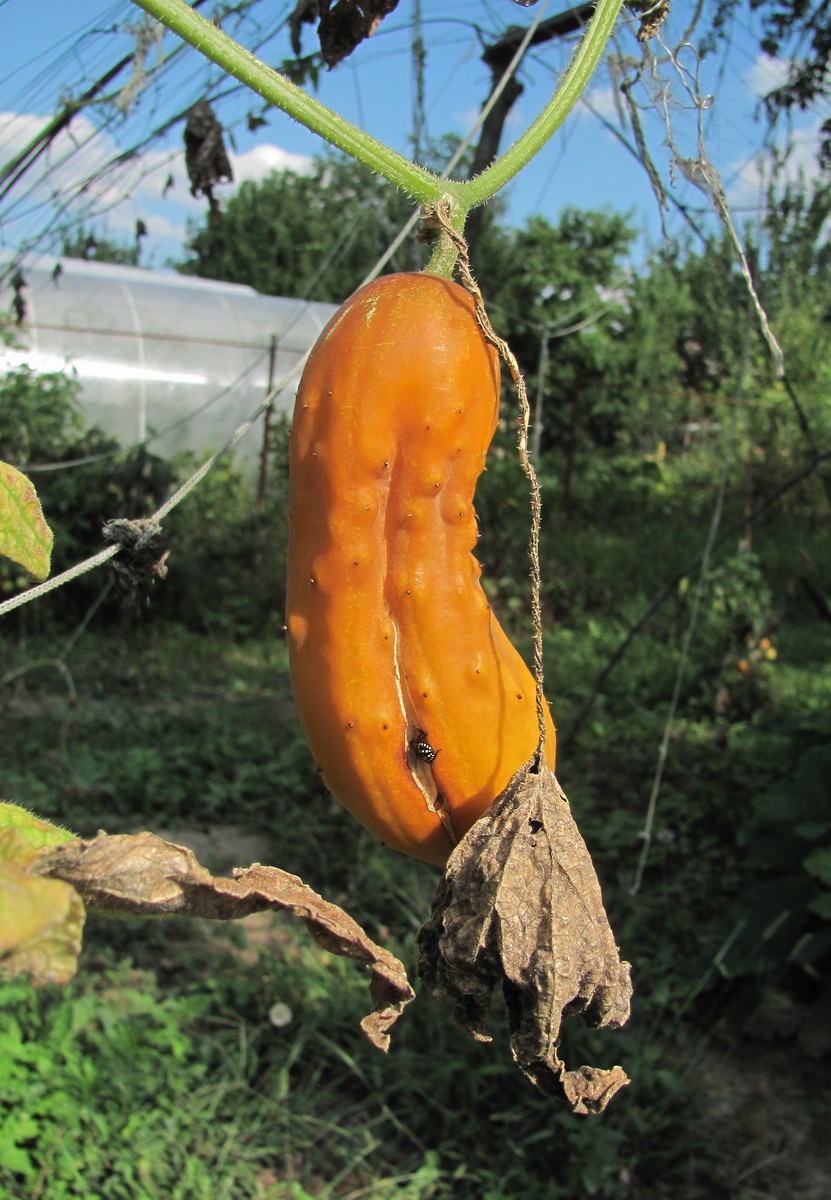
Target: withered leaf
520	906
143	875
206	158
344	24
653	13
305	12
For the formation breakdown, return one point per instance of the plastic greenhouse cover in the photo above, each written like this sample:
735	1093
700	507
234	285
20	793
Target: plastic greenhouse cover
174	361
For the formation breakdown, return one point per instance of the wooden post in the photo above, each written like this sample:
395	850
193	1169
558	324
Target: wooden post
272	360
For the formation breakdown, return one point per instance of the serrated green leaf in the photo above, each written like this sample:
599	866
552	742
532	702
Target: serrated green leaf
35	833
41	921
25	537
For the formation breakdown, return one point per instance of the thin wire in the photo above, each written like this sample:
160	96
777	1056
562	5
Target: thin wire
698	596
87	460
41	589
701	173
103	556
198	475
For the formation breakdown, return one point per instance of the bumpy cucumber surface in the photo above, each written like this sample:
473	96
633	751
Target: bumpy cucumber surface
416	706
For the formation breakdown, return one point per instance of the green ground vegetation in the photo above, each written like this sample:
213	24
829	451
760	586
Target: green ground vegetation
158	1073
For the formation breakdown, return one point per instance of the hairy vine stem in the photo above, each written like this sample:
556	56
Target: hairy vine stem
422	185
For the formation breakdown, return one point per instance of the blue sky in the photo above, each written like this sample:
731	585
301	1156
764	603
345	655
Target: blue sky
52	49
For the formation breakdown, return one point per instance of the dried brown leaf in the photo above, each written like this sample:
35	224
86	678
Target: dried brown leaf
143	875
206	158
520	906
653	13
343	25
305	12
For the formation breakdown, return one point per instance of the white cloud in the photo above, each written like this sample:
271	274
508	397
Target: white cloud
70	183
752	175
601	101
261	160
766	75
73	158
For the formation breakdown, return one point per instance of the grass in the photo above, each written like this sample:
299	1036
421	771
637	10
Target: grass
158	1074
151	1090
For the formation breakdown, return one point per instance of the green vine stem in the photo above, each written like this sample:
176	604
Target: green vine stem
420	184
205	37
572	85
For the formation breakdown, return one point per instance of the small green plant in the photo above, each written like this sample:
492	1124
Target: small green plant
779	924
97	1080
90	481
734	652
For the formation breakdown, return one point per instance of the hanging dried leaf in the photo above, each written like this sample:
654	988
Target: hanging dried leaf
143	558
206	159
520	906
305	12
145	876
343	25
653	13
19	304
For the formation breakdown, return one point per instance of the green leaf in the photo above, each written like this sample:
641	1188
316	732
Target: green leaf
41	921
25	537
32	833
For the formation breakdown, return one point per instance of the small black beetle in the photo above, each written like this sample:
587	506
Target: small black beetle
421	748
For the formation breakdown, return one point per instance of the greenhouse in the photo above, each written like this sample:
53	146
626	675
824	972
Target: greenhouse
173	361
